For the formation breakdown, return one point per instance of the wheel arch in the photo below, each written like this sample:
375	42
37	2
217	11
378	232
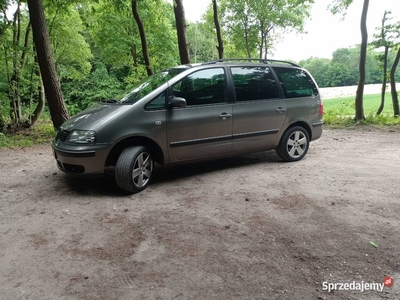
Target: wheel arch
152	146
303	124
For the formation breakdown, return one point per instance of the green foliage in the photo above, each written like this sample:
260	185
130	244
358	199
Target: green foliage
71	52
342	69
42	133
99	85
333	119
382	120
340	6
115	33
202	43
97	47
250	25
340	111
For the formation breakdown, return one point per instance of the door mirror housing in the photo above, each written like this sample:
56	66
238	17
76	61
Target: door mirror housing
177	102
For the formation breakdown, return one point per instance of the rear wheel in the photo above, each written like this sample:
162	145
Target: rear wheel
134	169
294	144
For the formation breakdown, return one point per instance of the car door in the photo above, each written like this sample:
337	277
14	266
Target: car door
204	127
259	111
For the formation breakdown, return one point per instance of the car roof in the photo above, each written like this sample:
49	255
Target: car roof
252	61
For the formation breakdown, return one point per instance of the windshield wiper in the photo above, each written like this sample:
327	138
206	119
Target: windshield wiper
110	101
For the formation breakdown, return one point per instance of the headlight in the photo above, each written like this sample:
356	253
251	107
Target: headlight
82	136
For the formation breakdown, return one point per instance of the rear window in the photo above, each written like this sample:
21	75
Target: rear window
296	82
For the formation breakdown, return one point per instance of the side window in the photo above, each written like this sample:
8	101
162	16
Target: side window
296	82
254	83
202	87
157	103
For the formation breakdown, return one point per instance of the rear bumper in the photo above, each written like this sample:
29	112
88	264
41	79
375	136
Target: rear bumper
316	130
82	159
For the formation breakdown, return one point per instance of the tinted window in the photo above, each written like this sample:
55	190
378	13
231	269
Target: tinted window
202	87
156	103
254	83
296	82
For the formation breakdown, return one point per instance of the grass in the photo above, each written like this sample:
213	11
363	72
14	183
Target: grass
371	103
340	111
42	133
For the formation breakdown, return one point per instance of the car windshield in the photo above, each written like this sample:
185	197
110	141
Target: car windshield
149	84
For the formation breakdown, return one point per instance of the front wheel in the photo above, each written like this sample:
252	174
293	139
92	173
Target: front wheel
134	169
294	144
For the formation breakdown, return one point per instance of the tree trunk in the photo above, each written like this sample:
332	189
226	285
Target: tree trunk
40	106
363	57
3	125
135	60
220	46
42	99
13	88
26	45
385	57
58	110
384	81
246	37
395	98
181	32
143	39
261	44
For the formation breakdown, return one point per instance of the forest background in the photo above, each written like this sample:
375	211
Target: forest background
98	52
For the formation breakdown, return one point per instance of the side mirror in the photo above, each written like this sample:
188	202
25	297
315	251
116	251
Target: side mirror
177	102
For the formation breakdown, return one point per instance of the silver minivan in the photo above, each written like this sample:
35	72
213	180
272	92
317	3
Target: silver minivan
194	112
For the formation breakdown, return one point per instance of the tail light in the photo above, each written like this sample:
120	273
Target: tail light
321	108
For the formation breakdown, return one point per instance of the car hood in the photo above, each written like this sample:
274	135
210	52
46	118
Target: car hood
95	117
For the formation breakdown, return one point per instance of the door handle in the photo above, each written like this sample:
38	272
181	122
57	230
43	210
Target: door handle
280	110
225	116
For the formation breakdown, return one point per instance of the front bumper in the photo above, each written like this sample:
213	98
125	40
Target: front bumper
77	159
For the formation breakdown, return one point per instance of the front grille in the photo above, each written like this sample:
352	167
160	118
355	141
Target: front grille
62	136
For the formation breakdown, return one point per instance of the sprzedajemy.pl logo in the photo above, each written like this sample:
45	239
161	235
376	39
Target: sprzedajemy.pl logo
357	286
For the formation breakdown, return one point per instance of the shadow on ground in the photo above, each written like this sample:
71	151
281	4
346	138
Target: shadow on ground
106	185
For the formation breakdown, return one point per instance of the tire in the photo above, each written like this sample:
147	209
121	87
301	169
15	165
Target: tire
134	169
294	144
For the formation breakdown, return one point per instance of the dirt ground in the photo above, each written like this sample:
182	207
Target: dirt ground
250	227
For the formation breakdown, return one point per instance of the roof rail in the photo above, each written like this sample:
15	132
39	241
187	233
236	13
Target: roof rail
265	61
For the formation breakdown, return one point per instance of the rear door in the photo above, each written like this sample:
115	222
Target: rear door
260	110
303	102
204	127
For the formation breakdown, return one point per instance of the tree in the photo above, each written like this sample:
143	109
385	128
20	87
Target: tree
17	66
318	67
382	40
58	110
239	25
20	78
201	42
42	98
393	90
252	23
220	46
145	49
340	5
71	51
116	38
181	32
349	57
359	103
